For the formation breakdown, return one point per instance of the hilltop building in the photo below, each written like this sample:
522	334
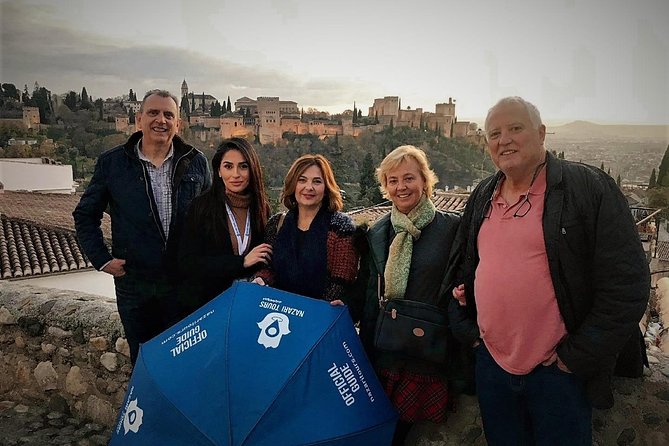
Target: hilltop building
203	102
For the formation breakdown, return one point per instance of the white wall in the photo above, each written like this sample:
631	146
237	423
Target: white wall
27	176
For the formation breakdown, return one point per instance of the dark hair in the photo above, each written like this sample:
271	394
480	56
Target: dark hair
209	208
332	196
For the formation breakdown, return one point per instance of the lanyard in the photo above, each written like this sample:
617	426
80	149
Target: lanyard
241	242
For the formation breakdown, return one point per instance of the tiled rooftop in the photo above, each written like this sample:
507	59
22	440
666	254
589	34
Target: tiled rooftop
442	200
37	234
27	249
47	210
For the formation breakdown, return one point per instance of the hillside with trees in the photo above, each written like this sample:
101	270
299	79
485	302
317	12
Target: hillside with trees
76	132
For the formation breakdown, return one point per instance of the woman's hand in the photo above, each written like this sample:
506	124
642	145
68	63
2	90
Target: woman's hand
259	281
259	254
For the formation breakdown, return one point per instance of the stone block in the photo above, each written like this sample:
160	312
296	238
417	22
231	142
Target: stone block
100	411
46	376
109	361
59	332
6	318
19	342
74	382
122	347
99	343
48	348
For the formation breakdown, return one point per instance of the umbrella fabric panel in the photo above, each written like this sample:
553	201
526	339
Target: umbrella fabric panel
274	332
189	362
333	394
148	418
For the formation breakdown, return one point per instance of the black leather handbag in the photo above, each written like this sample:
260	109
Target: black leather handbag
414	329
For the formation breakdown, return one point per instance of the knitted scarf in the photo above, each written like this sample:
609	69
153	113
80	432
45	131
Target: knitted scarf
238	201
407	228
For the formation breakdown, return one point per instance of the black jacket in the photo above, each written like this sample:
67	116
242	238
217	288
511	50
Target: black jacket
208	267
121	187
597	266
435	245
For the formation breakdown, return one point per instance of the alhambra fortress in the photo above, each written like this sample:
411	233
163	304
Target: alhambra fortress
267	118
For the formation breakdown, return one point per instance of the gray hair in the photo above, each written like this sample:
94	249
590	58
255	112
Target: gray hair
532	110
158	92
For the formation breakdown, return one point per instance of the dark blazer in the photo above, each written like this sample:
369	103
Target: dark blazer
209	268
597	266
120	186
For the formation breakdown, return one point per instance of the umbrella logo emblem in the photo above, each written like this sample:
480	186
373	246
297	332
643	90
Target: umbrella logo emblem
133	417
272	328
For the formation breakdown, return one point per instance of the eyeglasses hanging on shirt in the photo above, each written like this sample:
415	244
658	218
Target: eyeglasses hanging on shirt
524	208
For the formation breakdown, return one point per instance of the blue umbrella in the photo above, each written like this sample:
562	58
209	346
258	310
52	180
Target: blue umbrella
256	366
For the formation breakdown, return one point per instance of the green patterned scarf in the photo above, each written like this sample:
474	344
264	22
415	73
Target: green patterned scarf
407	229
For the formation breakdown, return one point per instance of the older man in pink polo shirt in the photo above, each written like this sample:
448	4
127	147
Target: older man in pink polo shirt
553	282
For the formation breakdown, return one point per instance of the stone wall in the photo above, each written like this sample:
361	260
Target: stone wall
65	346
68	347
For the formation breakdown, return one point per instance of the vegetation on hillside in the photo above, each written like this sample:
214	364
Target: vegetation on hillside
77	134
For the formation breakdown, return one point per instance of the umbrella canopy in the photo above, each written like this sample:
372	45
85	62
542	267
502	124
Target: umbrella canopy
256	366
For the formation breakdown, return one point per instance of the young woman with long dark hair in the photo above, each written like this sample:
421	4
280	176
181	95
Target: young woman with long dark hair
224	235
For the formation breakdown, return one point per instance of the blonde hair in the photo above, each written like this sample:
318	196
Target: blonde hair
397	157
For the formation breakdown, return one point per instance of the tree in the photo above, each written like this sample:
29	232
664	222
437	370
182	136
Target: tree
10	91
229	107
71	100
369	191
132	96
652	182
601	167
376	117
192	103
355	113
99	104
42	100
85	103
391	124
618	180
663	172
131	116
202	104
25	97
359	114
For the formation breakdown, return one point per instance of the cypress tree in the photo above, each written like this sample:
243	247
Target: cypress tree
663	172
229	105
653	180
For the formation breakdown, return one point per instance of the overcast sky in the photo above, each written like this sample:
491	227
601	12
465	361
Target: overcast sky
605	61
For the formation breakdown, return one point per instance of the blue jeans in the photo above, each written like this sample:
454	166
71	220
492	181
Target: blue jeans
545	407
146	307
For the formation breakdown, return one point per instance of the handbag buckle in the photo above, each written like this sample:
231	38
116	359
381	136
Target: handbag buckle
418	332
393	313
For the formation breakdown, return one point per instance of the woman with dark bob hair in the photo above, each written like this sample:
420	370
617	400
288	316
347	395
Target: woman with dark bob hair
225	227
313	251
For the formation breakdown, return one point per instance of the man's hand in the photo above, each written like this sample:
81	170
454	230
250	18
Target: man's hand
459	294
560	365
259	281
115	268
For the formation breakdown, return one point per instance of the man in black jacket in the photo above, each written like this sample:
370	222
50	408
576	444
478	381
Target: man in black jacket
146	185
553	282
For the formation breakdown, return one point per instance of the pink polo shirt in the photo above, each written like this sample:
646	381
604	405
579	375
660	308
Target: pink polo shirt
518	314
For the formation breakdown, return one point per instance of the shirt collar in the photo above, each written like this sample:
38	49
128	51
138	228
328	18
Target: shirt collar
142	157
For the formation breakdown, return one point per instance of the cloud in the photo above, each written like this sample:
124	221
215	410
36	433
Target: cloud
34	48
